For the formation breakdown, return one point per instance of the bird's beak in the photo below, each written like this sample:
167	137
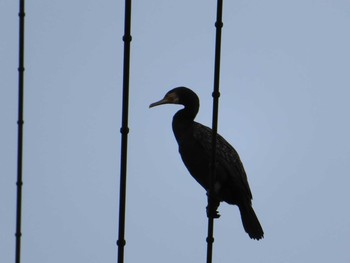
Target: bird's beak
170	98
165	100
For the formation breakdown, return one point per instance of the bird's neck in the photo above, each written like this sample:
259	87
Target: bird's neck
182	123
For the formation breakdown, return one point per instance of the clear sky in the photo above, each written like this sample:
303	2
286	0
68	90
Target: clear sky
285	89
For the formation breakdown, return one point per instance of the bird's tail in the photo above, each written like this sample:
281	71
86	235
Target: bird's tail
250	222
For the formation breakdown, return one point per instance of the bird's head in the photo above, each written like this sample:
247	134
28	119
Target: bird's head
179	95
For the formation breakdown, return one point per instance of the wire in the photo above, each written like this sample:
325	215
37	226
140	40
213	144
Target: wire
124	131
20	123
212	206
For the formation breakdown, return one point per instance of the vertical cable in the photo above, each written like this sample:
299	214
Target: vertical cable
20	122
216	94
124	131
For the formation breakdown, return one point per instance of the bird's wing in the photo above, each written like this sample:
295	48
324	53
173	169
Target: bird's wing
226	155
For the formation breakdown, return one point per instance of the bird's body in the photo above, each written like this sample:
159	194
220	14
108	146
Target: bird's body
195	147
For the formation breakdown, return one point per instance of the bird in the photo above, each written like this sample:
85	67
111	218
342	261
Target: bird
195	147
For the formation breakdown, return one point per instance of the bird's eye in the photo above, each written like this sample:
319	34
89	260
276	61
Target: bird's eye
173	98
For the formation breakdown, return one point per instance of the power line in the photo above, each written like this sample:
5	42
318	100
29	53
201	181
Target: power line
124	131
20	123
212	205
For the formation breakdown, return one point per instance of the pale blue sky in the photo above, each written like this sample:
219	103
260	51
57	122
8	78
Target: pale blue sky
284	106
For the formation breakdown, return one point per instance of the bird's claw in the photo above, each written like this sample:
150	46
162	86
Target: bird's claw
213	204
212	213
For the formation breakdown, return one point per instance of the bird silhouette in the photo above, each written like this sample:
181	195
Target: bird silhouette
195	147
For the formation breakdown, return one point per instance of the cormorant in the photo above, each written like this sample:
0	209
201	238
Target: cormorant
195	144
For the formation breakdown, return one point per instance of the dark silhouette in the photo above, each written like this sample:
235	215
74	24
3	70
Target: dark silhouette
194	140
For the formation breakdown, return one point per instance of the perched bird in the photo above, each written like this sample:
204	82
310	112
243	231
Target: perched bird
195	147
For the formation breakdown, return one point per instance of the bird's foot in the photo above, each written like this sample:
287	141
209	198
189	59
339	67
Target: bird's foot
213	204
212	213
